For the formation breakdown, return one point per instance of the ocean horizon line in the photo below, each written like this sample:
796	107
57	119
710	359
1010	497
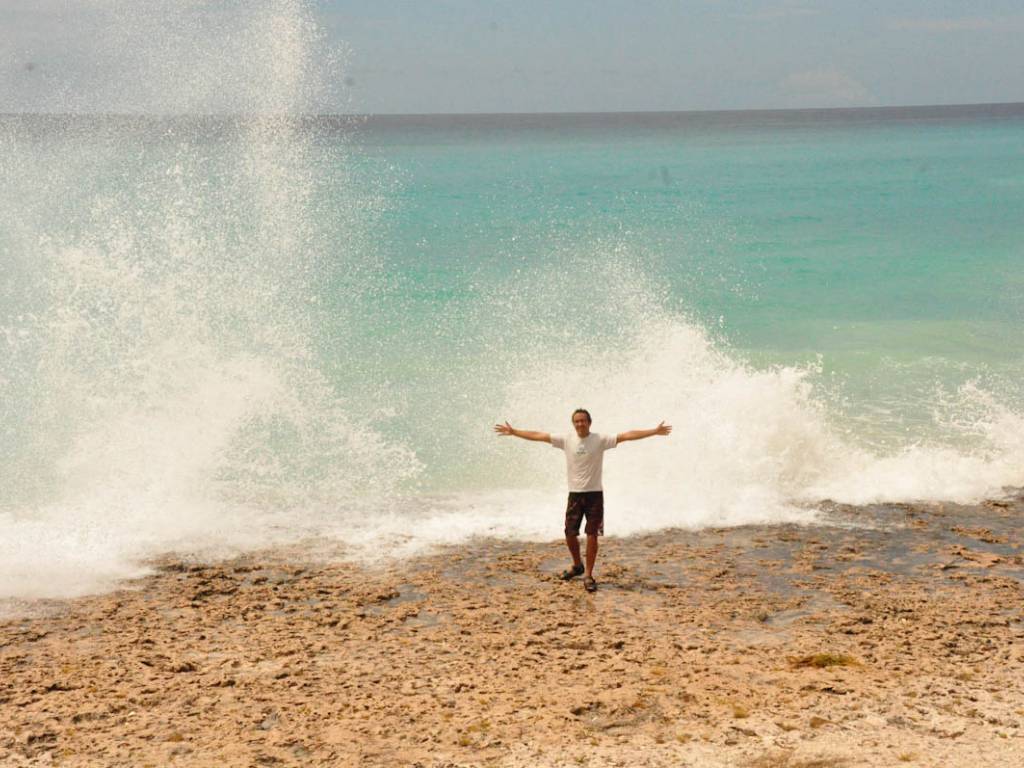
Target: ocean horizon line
1008	107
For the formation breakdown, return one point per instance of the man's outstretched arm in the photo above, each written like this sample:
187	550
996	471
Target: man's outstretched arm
640	434
506	429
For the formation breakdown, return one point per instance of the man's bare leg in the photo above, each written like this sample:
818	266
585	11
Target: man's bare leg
573	542
591	554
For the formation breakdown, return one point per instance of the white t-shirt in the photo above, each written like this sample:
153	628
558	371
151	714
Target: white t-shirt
583	458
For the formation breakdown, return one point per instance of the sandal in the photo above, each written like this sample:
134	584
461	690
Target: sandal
589	584
572	573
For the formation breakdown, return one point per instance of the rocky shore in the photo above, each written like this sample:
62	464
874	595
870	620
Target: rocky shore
888	635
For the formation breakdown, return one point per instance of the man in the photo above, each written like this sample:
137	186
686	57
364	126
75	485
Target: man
584	453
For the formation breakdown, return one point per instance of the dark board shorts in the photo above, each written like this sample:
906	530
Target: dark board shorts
589	504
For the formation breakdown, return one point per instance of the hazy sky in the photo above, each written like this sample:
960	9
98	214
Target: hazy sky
516	56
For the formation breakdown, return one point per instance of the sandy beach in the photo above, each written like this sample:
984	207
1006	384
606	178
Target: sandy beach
887	635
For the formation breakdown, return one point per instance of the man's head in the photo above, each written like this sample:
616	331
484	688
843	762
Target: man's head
581	421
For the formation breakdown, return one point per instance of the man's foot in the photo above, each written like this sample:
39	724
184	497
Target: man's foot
589	584
572	573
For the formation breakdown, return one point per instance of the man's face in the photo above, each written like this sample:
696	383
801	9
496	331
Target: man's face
581	424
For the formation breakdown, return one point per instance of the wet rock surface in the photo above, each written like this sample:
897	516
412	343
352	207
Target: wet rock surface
886	635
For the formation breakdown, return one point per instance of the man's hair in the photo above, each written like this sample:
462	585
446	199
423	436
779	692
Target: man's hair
585	412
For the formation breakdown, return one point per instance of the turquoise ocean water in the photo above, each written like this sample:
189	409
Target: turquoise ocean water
219	334
882	247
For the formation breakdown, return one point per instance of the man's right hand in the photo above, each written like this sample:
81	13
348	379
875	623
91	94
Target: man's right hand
506	429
